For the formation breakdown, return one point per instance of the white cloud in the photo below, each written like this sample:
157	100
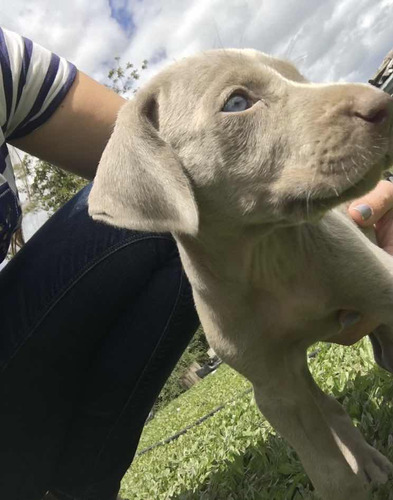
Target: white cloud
333	40
330	39
80	30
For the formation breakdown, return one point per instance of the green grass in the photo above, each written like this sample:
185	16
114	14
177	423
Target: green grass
235	454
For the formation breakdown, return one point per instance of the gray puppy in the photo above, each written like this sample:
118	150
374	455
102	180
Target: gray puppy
244	160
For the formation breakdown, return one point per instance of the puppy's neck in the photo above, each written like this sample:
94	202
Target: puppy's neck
263	256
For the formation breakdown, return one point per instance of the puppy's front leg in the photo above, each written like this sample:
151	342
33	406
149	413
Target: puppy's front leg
285	394
365	460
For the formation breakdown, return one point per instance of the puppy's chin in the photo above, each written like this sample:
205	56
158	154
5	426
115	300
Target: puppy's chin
310	207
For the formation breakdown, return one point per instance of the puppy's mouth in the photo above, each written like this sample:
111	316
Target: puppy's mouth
313	204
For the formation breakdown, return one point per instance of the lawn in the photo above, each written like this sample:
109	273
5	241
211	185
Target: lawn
235	454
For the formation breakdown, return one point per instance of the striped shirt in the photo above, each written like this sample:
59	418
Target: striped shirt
33	82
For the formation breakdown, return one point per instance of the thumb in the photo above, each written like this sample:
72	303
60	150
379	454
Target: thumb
366	211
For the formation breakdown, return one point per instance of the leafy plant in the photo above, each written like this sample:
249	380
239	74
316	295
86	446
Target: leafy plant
235	454
123	78
52	187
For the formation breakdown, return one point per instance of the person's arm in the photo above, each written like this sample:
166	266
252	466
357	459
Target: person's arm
75	136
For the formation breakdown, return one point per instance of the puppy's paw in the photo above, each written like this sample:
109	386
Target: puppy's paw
365	461
373	467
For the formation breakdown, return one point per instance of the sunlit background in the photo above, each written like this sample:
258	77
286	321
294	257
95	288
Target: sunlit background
327	39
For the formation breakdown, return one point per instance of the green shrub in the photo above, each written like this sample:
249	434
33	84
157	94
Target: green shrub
235	454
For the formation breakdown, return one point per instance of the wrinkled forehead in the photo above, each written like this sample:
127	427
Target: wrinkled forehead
225	67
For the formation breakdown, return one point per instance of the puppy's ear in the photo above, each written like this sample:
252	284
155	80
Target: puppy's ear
140	182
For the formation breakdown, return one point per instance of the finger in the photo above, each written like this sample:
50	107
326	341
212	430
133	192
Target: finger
367	210
384	232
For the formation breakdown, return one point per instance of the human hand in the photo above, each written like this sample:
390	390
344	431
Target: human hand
375	209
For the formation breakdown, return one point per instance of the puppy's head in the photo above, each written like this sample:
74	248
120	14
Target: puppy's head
241	137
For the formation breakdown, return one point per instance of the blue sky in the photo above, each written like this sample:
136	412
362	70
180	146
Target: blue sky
121	13
328	39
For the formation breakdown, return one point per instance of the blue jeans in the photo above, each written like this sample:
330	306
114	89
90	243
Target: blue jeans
92	321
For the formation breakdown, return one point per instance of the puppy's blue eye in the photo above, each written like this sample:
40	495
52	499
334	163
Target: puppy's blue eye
236	103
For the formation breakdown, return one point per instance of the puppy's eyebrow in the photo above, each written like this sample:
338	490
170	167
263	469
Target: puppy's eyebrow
254	82
288	71
285	68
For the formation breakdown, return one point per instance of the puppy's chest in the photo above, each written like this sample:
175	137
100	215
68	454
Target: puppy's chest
285	287
296	310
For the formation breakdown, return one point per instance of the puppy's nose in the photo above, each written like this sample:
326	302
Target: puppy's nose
376	108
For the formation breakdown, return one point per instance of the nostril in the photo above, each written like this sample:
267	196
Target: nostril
377	116
376	109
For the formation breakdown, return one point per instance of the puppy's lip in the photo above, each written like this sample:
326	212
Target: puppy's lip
354	186
357	188
367	181
370	175
335	196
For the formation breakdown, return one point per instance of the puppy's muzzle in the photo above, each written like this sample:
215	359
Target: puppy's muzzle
376	110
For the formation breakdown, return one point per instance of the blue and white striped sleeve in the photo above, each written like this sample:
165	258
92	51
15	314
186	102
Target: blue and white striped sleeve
33	82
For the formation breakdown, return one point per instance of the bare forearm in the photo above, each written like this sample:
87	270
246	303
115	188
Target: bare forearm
76	134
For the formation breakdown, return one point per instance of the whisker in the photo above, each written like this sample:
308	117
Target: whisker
346	174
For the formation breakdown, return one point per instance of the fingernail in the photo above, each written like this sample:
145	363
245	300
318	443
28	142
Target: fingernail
349	319
365	211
